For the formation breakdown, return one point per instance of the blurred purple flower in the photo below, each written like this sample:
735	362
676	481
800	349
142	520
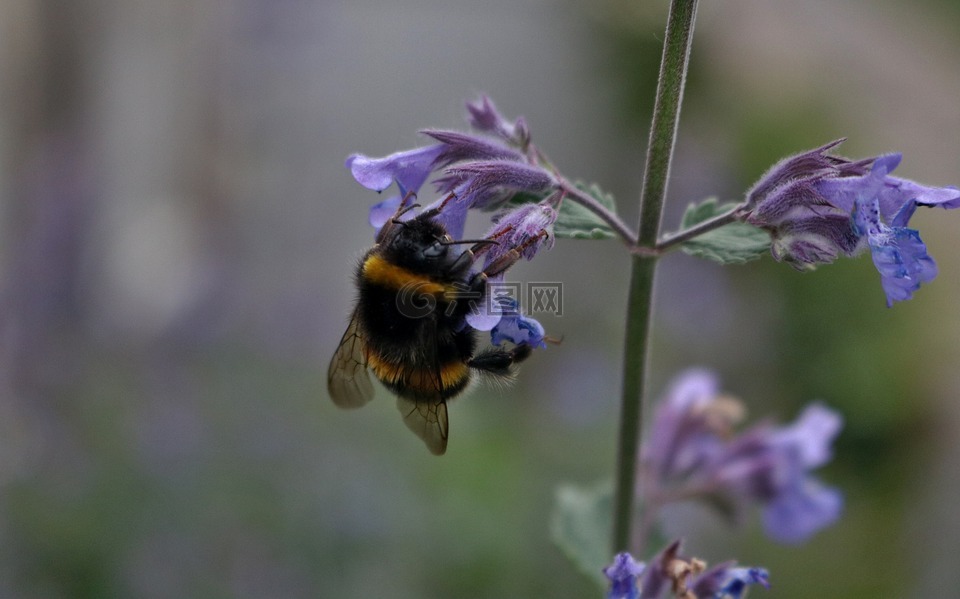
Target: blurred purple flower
817	206
796	505
689	426
623	574
692	452
670	574
725	581
737	580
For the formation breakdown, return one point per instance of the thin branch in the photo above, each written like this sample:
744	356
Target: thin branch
611	218
699	229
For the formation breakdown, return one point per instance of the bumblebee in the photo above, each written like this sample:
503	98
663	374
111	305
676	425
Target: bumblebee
408	324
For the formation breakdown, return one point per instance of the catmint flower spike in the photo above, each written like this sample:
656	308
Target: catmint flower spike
818	207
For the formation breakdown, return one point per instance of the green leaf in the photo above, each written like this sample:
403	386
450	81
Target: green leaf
581	524
576	222
734	243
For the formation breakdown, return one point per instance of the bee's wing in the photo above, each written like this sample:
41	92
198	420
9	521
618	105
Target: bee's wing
426	413
347	379
427	418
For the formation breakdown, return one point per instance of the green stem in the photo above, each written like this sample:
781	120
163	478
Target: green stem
584	199
666	114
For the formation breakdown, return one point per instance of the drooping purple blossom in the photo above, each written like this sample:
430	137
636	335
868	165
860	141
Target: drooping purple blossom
817	207
693	452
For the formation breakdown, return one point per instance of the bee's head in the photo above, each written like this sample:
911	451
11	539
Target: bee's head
418	244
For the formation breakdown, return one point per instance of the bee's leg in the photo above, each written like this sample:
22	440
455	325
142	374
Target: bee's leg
499	361
509	258
463	263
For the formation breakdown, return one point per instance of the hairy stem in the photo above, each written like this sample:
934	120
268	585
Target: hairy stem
588	202
666	114
699	229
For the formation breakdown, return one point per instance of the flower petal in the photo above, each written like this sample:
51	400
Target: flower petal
484	116
381	212
464	146
903	263
517	328
811	436
409	168
623	574
488	179
738	579
805	508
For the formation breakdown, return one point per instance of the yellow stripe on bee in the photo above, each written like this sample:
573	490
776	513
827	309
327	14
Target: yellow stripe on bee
417	379
379	271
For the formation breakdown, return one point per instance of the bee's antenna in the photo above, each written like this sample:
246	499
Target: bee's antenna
401	212
435	211
406	197
473	241
403	208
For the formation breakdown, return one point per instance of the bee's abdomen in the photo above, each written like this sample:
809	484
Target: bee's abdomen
411	378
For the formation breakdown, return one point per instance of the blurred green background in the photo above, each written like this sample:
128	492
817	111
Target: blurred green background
178	234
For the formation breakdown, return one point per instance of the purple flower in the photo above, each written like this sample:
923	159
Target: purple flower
481	171
516	328
501	315
486	183
525	229
458	147
476	171
409	168
672	575
668	570
801	507
623	574
737	580
725	581
692	452
483	116
689	426
770	466
817	207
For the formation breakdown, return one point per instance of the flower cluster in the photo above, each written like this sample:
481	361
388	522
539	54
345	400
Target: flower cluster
671	575
484	170
817	206
693	452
